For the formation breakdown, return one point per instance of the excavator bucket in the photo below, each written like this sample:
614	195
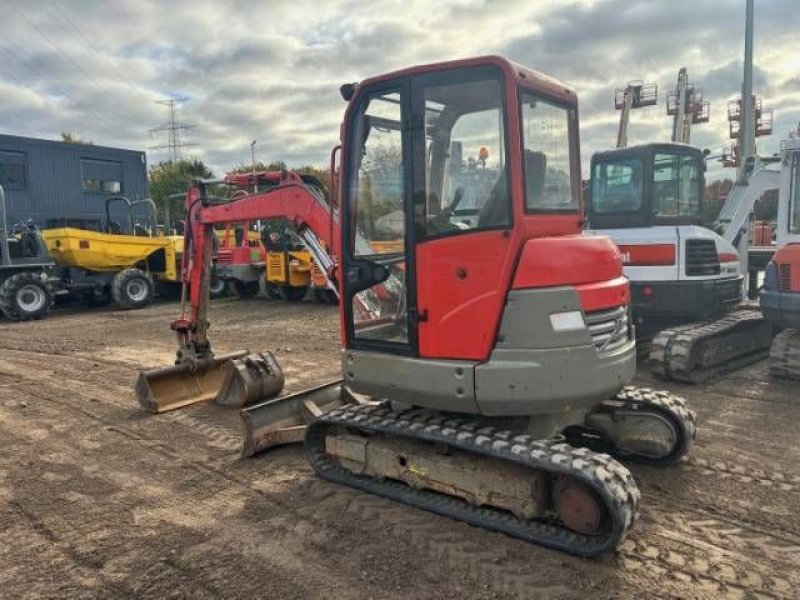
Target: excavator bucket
283	420
167	388
249	379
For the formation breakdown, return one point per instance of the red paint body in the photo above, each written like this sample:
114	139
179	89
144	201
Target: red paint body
648	255
787	258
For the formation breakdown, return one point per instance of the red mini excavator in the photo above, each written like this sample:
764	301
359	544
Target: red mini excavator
486	342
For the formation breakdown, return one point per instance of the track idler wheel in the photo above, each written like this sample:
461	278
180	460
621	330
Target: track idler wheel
577	506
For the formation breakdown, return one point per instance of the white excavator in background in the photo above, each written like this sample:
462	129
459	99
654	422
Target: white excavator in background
687	279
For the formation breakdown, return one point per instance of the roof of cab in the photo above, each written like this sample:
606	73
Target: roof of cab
524	76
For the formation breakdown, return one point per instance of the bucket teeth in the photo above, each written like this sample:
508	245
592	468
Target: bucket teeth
250	379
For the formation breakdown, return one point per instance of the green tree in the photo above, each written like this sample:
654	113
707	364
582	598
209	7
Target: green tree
71	137
766	208
715	195
171	178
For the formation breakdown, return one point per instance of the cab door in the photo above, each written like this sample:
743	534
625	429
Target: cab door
462	233
377	258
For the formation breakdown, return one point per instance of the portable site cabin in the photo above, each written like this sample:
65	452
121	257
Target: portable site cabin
61	184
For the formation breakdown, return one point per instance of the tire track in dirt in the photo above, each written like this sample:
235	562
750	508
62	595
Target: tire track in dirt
448	546
724	470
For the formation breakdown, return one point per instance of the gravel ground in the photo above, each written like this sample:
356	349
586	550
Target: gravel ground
99	499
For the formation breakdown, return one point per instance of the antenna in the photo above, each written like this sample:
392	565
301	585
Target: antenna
173	127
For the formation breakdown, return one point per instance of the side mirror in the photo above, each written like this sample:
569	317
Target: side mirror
363	274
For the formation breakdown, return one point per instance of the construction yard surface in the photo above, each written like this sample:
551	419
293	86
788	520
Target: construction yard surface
100	499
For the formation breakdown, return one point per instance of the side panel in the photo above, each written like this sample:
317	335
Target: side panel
461	288
635	242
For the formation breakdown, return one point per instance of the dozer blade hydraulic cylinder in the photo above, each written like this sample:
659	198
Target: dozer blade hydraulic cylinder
250	379
283	420
167	388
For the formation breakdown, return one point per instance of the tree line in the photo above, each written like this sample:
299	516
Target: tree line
169	179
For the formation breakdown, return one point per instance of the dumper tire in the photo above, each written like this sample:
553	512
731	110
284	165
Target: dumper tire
217	288
132	289
26	296
325	296
245	289
292	293
272	291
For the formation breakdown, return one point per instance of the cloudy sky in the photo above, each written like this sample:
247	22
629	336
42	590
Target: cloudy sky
270	70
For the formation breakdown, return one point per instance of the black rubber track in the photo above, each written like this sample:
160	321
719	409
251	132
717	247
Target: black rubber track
678	353
610	480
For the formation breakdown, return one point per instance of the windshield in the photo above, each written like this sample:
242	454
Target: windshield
617	185
676	186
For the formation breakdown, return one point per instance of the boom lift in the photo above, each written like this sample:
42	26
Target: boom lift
686	280
485	346
634	95
686	107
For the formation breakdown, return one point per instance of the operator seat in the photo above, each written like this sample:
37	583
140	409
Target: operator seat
535	164
494	212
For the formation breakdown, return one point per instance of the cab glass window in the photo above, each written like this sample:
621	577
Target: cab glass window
466	182
676	186
617	186
794	215
546	155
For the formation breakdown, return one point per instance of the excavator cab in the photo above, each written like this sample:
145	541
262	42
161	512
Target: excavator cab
647	186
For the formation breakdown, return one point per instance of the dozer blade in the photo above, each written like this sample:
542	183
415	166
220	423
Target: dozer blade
167	388
250	379
283	420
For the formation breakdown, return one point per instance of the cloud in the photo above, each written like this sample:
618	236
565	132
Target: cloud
271	71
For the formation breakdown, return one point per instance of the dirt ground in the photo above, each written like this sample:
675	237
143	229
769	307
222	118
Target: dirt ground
100	500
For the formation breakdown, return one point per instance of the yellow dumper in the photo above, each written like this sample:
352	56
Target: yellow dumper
101	266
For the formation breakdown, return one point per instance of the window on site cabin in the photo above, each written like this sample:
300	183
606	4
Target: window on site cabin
466	182
617	185
13	171
101	176
546	155
676	189
794	190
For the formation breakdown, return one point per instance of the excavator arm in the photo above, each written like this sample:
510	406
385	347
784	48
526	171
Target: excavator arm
290	198
238	378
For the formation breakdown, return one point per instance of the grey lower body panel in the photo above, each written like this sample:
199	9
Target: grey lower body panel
510	383
531	382
447	385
